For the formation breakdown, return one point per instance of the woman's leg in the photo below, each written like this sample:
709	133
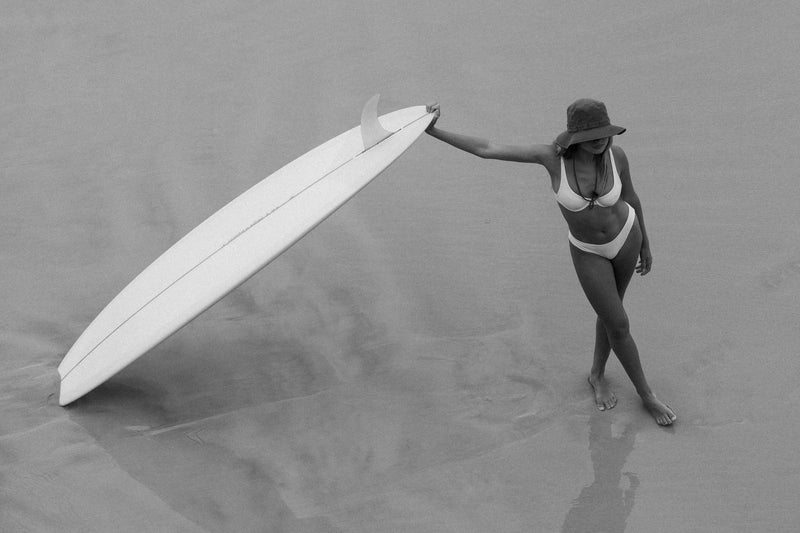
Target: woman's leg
601	280
623	272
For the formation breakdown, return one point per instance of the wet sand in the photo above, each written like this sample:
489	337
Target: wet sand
418	362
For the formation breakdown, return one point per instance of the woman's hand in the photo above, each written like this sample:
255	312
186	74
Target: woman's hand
645	261
435	109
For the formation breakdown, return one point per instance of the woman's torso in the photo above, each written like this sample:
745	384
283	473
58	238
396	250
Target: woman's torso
596	223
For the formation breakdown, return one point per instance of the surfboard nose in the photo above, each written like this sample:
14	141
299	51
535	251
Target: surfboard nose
69	392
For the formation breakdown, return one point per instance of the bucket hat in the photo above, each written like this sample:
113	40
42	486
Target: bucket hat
587	120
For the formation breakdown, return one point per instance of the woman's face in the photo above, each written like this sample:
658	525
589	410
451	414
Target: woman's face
594	147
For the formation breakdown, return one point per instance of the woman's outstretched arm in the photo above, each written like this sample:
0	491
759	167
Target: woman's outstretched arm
536	153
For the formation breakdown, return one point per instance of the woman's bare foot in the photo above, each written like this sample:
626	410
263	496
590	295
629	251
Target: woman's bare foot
603	396
662	413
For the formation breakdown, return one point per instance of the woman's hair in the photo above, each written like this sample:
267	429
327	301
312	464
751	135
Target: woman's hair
568	152
602	163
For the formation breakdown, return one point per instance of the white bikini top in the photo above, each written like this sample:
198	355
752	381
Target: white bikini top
573	201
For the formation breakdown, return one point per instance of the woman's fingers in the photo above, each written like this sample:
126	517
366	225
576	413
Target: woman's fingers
433	108
645	262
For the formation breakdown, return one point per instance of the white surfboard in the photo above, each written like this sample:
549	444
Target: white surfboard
235	243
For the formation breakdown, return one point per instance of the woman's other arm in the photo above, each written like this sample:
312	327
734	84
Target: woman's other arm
630	196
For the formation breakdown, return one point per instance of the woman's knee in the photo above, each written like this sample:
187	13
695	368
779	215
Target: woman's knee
618	328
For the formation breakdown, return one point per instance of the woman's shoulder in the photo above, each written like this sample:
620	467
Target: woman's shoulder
545	154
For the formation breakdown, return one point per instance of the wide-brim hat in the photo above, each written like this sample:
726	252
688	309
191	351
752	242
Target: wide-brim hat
587	120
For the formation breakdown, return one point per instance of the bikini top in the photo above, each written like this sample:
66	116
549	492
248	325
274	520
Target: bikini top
573	201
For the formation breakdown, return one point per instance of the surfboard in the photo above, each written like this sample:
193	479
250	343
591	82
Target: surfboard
235	243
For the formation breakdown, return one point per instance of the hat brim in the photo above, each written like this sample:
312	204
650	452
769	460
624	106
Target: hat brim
567	139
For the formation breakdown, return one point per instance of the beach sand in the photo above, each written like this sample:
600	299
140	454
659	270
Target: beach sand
418	362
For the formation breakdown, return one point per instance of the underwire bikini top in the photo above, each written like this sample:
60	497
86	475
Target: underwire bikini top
573	201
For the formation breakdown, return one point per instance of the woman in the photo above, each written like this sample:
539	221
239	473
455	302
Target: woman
592	184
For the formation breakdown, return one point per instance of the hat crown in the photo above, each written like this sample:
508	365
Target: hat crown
586	114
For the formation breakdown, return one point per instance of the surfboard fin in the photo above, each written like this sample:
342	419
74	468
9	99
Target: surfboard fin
371	130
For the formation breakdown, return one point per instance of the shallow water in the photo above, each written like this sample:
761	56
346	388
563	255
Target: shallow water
416	363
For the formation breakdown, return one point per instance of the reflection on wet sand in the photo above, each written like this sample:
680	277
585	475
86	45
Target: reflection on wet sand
604	505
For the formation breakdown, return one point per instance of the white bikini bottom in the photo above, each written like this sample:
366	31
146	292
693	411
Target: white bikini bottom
610	249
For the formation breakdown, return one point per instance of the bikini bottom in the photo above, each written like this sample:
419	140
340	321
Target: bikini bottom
610	249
